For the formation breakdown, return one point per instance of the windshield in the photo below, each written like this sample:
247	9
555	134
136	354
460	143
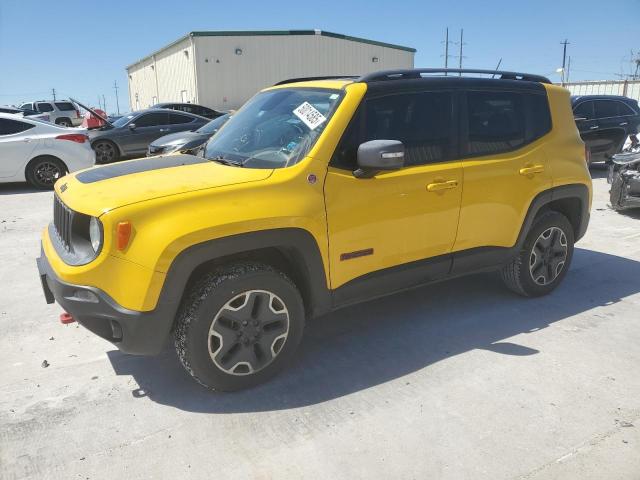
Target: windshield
122	121
274	129
214	125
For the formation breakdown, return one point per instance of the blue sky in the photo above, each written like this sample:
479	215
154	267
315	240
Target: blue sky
81	47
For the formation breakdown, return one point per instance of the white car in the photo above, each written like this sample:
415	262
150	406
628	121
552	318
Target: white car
64	113
40	152
20	112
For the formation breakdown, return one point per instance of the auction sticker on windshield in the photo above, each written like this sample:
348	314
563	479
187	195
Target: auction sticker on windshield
311	117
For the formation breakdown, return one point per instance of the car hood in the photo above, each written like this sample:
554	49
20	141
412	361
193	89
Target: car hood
100	189
179	138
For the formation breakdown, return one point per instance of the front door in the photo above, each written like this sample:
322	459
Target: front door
16	146
402	216
148	127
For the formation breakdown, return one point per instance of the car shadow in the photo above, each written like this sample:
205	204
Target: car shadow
366	345
599	170
18	189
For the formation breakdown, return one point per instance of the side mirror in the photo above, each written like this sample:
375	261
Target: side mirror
132	126
378	155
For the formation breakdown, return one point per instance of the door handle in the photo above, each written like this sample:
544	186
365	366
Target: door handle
27	140
439	186
595	127
532	170
165	129
624	123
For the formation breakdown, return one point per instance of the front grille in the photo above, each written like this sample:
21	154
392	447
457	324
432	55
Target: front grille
62	222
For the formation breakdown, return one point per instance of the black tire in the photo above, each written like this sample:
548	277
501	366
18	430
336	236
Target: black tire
64	122
547	265
203	317
106	151
43	172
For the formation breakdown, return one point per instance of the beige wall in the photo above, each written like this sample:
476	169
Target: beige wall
167	76
630	88
226	80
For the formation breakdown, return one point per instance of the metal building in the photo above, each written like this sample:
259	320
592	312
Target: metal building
627	88
222	70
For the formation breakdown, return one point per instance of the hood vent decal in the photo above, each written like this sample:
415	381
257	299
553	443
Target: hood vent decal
137	166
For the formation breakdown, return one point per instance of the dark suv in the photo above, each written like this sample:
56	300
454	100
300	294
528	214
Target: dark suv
604	122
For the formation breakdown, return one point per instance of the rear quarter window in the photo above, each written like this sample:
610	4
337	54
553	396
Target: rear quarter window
65	106
44	107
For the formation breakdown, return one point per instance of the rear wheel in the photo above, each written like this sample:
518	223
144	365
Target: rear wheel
43	172
106	151
544	259
239	326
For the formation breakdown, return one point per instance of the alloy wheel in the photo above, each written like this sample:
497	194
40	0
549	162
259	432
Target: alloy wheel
46	173
248	332
105	152
548	256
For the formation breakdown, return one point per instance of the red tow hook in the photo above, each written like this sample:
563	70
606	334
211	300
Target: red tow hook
66	318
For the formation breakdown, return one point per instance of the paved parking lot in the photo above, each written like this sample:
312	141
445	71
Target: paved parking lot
461	380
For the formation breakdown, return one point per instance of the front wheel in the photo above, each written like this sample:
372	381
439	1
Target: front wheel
544	259
239	326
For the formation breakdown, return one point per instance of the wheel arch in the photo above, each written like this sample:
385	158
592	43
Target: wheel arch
294	251
113	142
40	156
572	201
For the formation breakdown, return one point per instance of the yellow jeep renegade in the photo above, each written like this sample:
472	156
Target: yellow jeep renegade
319	193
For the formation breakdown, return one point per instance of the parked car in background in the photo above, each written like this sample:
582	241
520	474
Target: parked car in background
63	112
190	108
21	112
183	141
131	134
605	122
40	152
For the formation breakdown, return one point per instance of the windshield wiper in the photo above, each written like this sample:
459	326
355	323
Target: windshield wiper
225	161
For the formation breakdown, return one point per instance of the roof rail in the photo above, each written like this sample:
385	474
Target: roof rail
417	73
310	79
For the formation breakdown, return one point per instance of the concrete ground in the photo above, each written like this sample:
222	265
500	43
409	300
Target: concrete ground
460	380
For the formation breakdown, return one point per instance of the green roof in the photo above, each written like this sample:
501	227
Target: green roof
253	33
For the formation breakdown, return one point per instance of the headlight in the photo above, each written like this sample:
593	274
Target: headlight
95	233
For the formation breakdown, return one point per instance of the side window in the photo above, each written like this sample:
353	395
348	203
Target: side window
421	121
625	109
44	107
27	106
584	110
496	122
204	111
176	118
151	119
606	109
65	106
8	127
539	119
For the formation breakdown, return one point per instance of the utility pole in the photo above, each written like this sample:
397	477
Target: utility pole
104	104
99	103
53	92
564	58
568	68
460	56
446	50
115	87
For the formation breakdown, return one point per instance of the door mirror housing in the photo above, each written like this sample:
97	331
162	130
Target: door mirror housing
132	126
379	155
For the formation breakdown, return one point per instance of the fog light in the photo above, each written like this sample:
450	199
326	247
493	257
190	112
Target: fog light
85	296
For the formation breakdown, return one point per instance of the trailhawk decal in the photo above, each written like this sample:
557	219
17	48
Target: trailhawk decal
136	166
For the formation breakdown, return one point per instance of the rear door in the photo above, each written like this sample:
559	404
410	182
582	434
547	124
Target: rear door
612	121
148	127
505	166
182	123
16	146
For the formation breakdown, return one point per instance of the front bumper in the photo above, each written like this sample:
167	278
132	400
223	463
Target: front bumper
140	333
